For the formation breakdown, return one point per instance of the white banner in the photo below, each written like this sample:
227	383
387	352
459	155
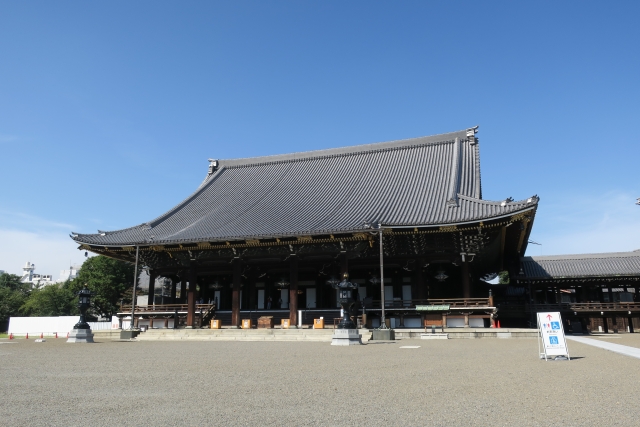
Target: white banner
552	335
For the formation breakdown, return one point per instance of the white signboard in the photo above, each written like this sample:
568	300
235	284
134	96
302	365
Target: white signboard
552	335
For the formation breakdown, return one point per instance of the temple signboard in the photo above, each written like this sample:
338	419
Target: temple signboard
552	337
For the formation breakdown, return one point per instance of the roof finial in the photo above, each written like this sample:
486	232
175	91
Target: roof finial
213	165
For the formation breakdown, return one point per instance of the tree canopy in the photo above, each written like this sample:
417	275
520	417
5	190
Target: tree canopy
13	294
108	279
56	299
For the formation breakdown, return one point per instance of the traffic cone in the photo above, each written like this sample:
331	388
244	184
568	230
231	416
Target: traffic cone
56	335
67	334
41	335
11	336
498	323
27	337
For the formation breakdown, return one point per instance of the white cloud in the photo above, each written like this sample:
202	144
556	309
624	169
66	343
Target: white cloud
588	224
20	220
50	252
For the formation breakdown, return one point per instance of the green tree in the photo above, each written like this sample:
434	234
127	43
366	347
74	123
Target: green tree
108	279
503	278
52	300
13	294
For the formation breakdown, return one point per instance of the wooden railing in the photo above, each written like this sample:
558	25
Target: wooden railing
605	306
574	306
165	308
452	302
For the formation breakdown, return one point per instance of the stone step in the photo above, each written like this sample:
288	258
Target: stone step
318	335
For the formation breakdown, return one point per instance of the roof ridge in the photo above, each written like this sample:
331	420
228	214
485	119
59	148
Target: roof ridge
443	138
602	255
530	200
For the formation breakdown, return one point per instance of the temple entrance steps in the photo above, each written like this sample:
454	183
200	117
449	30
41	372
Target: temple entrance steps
278	314
321	335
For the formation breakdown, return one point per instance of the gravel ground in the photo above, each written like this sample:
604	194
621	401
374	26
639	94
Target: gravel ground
482	382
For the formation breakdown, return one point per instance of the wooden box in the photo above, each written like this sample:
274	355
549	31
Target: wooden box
318	323
265	322
285	323
215	324
246	323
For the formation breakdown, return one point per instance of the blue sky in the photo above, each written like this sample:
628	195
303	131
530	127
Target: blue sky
109	111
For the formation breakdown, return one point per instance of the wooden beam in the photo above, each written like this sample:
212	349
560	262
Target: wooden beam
293	291
235	295
191	298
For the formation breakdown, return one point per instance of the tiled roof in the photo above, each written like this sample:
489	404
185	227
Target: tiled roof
583	265
423	181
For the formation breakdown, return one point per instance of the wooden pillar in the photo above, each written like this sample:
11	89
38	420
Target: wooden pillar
418	290
251	291
150	322
191	298
466	282
174	284
183	290
293	291
235	294
466	320
166	323
152	286
444	320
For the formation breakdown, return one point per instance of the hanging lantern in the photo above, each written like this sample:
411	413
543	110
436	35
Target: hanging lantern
441	277
215	285
282	284
332	281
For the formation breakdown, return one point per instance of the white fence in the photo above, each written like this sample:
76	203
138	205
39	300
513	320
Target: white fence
51	325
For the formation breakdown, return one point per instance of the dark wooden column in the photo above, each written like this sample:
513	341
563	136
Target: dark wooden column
191	297
466	282
293	291
152	286
174	285
251	290
183	289
235	293
418	288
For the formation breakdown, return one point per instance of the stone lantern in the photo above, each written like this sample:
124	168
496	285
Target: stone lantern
81	332
346	332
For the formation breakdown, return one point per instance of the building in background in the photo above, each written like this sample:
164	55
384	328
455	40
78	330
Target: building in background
36	280
70	274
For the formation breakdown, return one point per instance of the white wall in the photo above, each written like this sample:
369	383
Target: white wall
49	325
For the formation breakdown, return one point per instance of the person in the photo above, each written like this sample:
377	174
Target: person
280	303
269	303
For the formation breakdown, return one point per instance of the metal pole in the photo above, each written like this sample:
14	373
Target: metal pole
383	324
133	294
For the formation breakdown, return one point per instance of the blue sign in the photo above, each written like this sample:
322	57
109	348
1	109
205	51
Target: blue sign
555	325
553	340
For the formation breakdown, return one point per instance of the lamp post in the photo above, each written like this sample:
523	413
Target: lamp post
346	332
84	302
81	332
345	298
